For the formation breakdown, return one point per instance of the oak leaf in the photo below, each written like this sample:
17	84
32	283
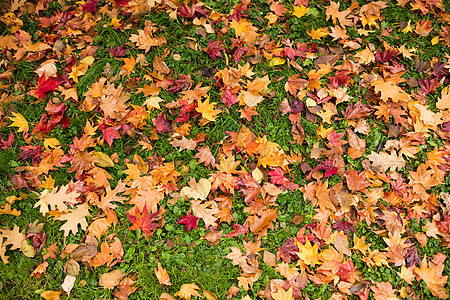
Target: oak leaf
75	217
205	211
55	199
13	237
383	161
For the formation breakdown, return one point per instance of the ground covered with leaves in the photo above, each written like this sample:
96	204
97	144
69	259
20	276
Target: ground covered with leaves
224	149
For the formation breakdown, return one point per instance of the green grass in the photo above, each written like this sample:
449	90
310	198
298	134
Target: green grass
186	255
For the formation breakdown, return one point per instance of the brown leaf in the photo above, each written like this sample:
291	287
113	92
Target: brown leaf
111	279
162	275
269	258
341	244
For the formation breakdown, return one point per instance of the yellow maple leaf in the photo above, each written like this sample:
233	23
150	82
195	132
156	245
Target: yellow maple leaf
19	121
365	56
300	11
308	253
207	110
282	294
51	143
187	291
318	34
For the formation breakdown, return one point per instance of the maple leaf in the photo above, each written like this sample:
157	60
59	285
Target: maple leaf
162	275
328	166
46	85
205	156
207	110
75	217
318	34
126	286
260	225
213	49
355	181
6	144
383	291
299	11
162	124
143	221
91	5
187	291
189	221
389	90
432	275
308	253
19	121
282	294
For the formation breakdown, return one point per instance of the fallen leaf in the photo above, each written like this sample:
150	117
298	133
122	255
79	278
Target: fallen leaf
111	279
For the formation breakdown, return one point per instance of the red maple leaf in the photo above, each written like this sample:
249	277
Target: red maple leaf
328	166
91	5
33	152
237	55
189	221
214	49
110	134
46	85
228	98
162	124
277	176
54	117
143	221
6	144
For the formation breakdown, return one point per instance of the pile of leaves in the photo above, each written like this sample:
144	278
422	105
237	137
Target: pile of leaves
306	140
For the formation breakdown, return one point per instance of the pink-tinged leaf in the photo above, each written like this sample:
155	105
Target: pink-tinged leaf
288	251
277	176
344	226
346	271
238	230
237	55
189	221
46	85
51	119
143	221
91	5
328	166
228	98
110	134
162	124
358	110
122	2
340	78
213	49
118	52
335	139
291	53
33	152
6	144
